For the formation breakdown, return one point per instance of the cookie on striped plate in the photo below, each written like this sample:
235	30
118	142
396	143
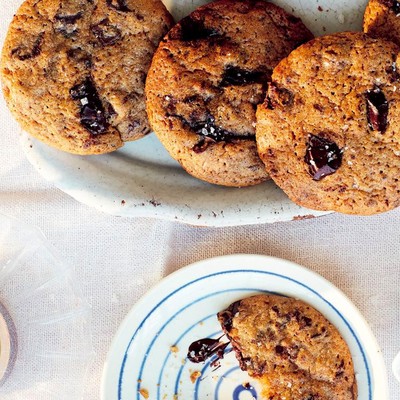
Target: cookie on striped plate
290	347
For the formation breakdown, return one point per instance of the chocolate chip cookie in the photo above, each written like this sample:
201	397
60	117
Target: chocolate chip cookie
382	19
291	348
73	71
328	131
206	79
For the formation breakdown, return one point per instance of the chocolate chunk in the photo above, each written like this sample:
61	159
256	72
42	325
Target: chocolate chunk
92	114
236	76
201	350
396	7
66	24
192	29
210	129
302	320
226	316
106	33
69	19
377	109
25	52
323	157
393	5
80	56
119	5
275	309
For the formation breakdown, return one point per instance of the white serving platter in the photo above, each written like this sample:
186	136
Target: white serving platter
142	180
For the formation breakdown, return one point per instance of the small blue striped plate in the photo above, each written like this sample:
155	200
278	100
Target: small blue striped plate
147	359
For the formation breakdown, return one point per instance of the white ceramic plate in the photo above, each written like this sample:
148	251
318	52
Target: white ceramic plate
149	351
142	180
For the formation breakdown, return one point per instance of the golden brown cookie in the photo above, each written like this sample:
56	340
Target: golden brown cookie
291	348
328	131
206	79
74	71
382	19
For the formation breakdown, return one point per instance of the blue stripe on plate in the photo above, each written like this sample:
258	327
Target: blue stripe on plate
174	316
176	343
246	272
238	390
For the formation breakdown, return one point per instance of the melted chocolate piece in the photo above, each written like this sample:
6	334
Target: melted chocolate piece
377	109
226	316
201	350
323	157
66	23
92	113
236	76
206	128
393	5
119	5
23	52
106	33
396	8
192	29
209	129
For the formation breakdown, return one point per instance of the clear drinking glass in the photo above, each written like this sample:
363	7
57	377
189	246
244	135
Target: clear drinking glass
46	316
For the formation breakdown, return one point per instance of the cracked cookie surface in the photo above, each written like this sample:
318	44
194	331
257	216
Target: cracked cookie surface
73	71
205	82
328	131
291	348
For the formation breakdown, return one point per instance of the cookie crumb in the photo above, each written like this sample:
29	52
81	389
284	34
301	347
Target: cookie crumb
174	349
194	376
144	393
154	203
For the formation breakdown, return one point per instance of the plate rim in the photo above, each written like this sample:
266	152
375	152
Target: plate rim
232	262
151	207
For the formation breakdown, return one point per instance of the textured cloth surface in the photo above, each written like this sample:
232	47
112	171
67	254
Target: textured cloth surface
118	259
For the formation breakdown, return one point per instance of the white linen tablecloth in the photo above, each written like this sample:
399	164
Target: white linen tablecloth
118	259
